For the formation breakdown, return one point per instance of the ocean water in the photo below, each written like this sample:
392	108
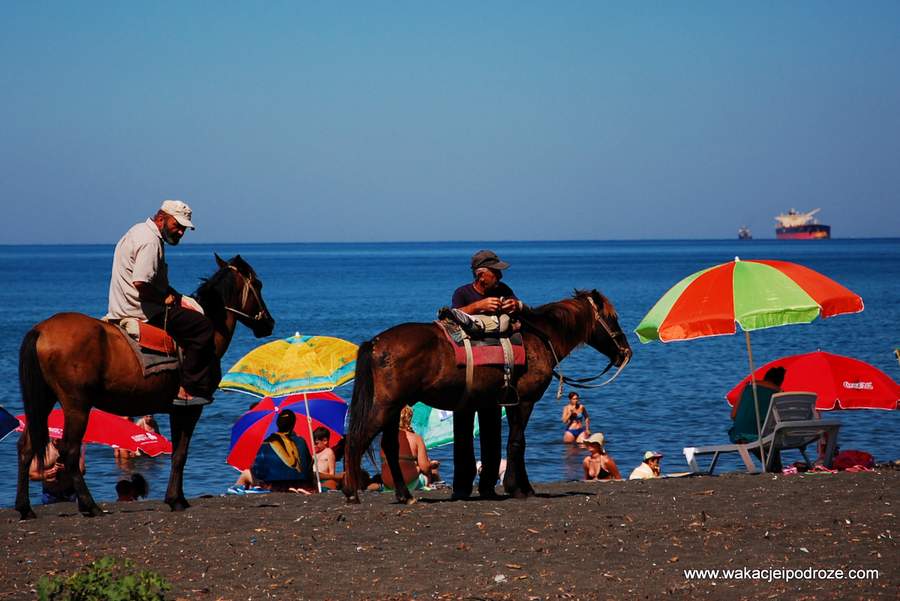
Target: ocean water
670	396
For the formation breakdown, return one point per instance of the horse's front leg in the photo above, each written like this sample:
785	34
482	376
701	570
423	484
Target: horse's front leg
74	427
515	482
182	422
390	445
463	453
26	454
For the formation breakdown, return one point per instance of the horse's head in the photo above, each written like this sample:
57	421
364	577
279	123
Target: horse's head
607	336
241	292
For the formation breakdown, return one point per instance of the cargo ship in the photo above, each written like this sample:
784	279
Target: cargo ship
794	225
744	233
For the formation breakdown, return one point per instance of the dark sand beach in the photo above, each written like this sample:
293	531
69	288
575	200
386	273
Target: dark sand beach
575	540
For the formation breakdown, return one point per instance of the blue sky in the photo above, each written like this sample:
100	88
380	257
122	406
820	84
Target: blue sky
296	121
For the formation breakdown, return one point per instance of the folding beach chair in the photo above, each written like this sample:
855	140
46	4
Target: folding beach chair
792	422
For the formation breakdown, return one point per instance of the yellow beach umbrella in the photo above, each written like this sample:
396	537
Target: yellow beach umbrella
293	365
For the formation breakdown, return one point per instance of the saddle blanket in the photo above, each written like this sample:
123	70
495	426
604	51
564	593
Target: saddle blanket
486	351
152	361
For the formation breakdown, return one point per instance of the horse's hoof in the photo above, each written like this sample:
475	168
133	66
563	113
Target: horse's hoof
411	501
518	494
461	495
352	500
489	495
179	505
91	512
27	513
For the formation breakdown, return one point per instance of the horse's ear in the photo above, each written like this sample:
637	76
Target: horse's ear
220	262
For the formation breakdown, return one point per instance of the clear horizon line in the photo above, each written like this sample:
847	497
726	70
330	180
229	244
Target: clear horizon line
469	241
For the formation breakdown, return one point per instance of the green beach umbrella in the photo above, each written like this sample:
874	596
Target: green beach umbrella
754	294
435	426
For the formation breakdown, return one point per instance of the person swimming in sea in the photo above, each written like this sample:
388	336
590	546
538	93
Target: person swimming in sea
575	416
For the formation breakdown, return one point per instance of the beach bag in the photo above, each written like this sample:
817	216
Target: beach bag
849	459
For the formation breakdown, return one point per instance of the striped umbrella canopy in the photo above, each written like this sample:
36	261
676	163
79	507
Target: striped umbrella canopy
292	365
755	294
253	427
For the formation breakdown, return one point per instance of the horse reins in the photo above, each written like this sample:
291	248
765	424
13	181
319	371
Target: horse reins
583	382
245	294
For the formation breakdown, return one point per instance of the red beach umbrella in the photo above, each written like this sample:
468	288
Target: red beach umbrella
841	382
112	430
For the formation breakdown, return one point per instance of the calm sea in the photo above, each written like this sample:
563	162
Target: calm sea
671	395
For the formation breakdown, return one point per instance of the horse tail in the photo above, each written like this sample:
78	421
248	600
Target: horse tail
37	396
363	393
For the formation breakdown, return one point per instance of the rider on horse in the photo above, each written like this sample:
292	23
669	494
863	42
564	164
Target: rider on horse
139	288
486	295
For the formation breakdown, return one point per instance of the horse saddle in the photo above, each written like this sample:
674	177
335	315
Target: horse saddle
155	349
485	334
484	340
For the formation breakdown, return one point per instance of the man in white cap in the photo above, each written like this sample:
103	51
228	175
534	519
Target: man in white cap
139	288
649	468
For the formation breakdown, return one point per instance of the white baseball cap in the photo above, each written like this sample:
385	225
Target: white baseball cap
179	210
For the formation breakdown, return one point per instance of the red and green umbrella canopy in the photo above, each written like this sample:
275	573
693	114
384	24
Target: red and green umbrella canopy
756	294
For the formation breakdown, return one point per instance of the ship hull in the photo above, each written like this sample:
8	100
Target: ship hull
804	232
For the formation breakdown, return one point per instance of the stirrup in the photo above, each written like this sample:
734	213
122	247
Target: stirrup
186	399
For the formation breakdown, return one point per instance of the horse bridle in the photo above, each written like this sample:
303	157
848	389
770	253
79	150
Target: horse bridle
245	294
623	349
616	337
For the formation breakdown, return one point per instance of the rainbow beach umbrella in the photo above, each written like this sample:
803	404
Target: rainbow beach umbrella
254	426
754	294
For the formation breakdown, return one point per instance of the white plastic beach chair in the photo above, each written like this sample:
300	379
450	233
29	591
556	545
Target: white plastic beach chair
792	422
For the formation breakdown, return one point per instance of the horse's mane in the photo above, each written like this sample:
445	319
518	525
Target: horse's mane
210	290
575	316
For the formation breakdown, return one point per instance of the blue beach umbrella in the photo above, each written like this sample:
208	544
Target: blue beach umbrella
8	423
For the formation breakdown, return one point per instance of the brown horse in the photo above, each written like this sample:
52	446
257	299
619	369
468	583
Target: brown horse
83	362
413	362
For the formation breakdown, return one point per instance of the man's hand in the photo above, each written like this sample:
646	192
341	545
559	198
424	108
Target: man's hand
489	305
510	305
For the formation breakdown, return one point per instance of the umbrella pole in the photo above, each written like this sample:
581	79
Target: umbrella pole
762	451
315	456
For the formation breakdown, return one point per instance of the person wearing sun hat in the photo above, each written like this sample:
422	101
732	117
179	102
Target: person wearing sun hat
649	467
599	465
139	288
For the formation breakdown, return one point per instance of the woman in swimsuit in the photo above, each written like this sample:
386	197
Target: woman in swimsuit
599	465
575	416
418	470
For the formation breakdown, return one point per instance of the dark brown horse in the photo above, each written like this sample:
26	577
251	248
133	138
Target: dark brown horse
413	362
83	362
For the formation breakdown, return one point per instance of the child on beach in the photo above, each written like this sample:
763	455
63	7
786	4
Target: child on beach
599	465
